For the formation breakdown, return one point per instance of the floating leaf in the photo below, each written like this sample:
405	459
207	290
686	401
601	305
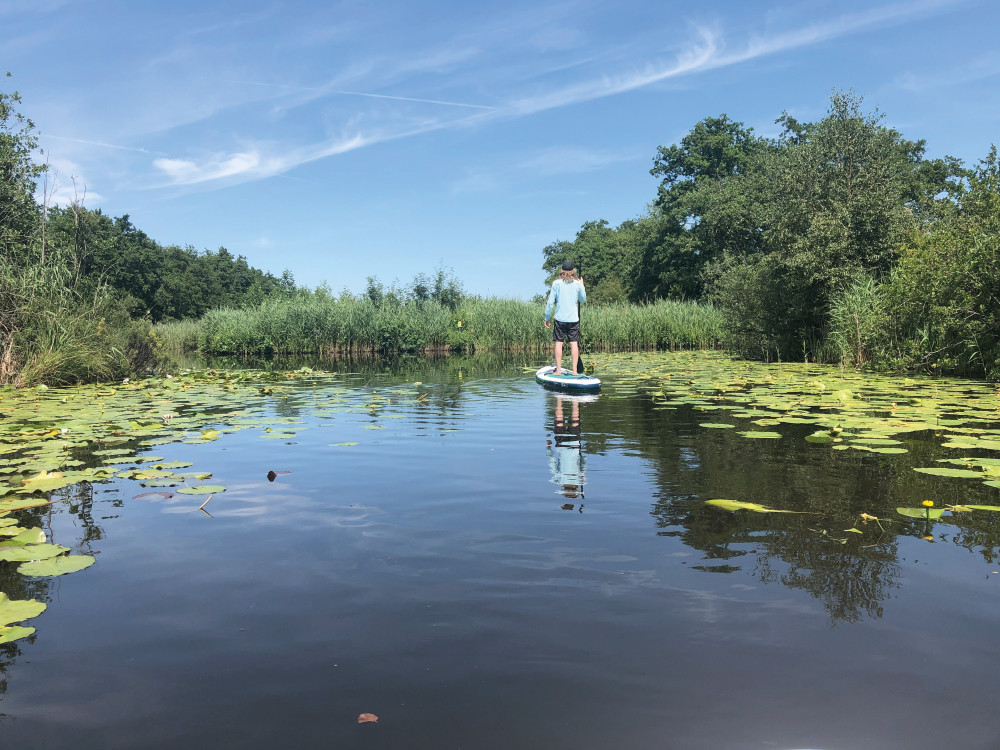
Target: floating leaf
272	475
334	445
8	506
939	471
14	632
931	513
56	566
820	437
202	489
717	425
24	553
25	536
18	610
173	465
366	718
47	481
741	505
760	434
995	508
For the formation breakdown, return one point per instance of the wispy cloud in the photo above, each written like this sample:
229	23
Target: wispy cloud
134	149
708	50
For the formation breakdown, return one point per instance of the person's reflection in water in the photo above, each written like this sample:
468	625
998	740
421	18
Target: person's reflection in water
565	451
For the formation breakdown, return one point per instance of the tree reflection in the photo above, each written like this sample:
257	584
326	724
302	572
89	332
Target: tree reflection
852	574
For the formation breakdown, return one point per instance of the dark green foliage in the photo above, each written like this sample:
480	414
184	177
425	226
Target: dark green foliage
166	283
20	215
944	297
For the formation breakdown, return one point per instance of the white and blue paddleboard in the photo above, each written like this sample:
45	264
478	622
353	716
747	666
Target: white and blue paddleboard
565	380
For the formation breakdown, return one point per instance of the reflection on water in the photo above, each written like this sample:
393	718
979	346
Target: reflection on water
391	541
565	448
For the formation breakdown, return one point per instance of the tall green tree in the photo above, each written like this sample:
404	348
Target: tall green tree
19	173
715	152
831	208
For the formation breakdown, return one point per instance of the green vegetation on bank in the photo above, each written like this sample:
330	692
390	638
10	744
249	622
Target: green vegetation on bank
837	241
323	325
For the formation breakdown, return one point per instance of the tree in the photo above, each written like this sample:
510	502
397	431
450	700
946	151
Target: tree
19	213
944	299
830	209
712	156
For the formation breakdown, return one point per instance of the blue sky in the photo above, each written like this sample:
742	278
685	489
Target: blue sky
346	139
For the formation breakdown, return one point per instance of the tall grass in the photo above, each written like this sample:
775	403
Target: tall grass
356	325
52	333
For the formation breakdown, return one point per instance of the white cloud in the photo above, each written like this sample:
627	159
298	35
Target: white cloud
707	50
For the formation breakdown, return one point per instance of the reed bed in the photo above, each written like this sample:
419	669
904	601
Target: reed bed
358	325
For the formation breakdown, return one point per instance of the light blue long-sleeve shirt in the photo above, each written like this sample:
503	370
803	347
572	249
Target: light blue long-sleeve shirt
563	297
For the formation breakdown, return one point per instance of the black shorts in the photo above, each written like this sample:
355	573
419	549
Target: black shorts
565	331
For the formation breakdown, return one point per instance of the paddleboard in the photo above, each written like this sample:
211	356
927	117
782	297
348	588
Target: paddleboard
565	380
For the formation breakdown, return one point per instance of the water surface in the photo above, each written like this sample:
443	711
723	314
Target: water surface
492	565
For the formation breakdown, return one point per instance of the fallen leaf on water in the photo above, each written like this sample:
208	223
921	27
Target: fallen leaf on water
365	718
272	475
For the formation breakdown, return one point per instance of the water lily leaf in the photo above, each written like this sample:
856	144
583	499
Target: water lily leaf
932	513
995	508
820	437
56	566
14	632
717	425
760	434
741	505
27	552
203	489
9	506
25	536
18	610
334	445
154	496
173	465
46	481
939	471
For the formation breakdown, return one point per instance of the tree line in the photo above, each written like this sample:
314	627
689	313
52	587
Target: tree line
837	240
80	290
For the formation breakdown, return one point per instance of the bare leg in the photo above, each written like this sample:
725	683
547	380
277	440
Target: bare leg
574	350
559	347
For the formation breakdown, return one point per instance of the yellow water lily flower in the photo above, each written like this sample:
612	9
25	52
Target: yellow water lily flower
928	503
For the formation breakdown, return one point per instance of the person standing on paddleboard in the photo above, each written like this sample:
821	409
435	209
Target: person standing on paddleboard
563	309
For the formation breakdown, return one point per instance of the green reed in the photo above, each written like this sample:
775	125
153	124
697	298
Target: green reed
359	325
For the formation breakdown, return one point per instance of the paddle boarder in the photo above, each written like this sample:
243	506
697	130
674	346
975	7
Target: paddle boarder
562	308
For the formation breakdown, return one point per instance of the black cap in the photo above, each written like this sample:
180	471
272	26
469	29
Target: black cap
568	265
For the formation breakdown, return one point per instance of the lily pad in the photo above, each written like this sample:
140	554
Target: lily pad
717	425
56	566
173	465
14	632
18	610
741	505
202	489
939	471
931	513
760	434
24	553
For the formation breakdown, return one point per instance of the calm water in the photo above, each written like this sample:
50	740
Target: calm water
492	566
